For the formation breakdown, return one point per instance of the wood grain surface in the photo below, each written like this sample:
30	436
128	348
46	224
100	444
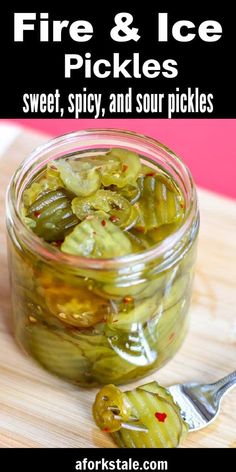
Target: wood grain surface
40	410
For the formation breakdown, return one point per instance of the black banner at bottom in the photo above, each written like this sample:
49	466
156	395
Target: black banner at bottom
68	460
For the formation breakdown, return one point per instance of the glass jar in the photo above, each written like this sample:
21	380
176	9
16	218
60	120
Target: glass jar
138	303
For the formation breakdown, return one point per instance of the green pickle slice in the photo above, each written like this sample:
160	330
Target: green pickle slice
52	215
120	211
130	192
76	306
57	353
159	204
130	167
97	237
81	184
145	417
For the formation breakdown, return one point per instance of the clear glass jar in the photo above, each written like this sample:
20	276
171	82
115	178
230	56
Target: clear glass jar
139	302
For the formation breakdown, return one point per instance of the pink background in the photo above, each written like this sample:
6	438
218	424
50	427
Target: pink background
207	146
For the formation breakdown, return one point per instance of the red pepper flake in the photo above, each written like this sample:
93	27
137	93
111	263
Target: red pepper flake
53	167
182	205
128	299
151	174
171	336
124	167
106	430
140	229
104	222
37	214
114	218
161	417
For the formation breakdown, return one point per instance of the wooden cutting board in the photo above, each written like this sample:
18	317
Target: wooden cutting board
39	410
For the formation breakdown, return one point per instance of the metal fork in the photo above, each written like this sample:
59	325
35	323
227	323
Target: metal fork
200	403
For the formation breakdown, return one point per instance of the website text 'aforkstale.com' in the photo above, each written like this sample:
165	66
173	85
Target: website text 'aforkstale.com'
129	464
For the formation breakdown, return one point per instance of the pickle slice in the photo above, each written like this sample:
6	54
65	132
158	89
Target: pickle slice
139	240
128	172
112	369
132	347
26	220
158	234
169	326
94	348
97	237
120	211
53	177
53	215
130	321
102	163
130	192
81	184
108	401
145	417
142	290
160	418
57	353
175	290
76	306
33	192
159	203
156	388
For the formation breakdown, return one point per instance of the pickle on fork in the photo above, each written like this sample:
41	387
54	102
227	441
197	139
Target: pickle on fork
145	417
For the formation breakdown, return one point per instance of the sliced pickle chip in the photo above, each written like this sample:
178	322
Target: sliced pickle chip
130	321
175	290
132	220
53	177
102	163
76	306
26	220
97	237
128	172
151	418
81	184
130	192
93	350
140	241
57	353
133	347
159	203
170	325
156	388
157	235
139	291
112	369
109	403
52	215
164	425
120	211
32	193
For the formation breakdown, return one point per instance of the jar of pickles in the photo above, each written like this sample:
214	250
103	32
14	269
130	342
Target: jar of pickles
102	233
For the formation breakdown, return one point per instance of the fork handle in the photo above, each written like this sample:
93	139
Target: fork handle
220	388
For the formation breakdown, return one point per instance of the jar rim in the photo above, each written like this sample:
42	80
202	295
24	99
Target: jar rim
53	254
